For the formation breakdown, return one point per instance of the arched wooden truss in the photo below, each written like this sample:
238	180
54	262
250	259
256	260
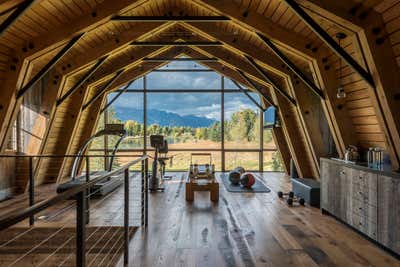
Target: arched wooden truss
284	49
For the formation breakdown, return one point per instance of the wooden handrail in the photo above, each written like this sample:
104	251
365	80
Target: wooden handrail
18	216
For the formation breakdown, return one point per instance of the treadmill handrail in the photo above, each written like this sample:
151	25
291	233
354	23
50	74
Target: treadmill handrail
78	159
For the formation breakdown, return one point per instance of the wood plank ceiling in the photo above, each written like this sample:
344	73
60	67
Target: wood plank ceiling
46	26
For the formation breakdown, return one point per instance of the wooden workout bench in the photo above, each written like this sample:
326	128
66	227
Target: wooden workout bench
193	185
201	177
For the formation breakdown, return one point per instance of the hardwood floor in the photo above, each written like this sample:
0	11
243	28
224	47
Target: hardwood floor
246	230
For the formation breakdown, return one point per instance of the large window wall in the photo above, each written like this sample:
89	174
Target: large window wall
196	110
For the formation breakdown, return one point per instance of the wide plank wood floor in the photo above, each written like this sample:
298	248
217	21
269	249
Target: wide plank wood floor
246	230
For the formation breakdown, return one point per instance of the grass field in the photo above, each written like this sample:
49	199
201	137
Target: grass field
181	159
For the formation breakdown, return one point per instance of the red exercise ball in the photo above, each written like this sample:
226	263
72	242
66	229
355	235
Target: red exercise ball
247	179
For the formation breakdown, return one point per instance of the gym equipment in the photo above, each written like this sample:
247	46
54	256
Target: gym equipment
157	142
291	201
308	189
239	169
247	179
291	198
201	177
162	160
234	177
107	185
281	194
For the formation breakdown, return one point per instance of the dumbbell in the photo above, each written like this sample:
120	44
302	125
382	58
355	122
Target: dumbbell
291	200
281	194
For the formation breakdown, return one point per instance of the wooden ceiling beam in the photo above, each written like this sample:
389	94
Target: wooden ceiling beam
158	59
111	47
19	10
103	89
335	111
169	18
254	86
49	65
266	76
324	36
292	66
89	21
254	22
166	43
80	82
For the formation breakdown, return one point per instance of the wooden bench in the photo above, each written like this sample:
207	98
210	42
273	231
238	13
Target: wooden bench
193	185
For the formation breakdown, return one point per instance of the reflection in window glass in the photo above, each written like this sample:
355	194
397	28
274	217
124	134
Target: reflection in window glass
272	161
183	80
247	160
242	121
187	120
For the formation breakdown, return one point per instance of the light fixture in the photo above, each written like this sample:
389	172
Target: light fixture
340	90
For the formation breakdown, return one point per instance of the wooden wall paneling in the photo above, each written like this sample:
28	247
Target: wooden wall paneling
8	102
381	62
61	129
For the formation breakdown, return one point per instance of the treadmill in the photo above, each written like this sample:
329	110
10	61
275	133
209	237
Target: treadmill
106	185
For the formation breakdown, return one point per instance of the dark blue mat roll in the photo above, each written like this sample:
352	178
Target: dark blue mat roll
258	187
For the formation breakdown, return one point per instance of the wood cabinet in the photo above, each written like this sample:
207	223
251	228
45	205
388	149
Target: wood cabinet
389	212
366	199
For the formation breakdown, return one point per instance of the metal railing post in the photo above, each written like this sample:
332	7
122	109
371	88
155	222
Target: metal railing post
143	193
31	190
81	229
87	190
126	216
146	192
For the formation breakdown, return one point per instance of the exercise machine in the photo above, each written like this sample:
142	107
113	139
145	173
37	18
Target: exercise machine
107	185
160	145
201	177
162	160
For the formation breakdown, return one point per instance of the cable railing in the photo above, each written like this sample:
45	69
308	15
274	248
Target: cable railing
112	238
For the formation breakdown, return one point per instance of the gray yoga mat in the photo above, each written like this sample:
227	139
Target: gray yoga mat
258	187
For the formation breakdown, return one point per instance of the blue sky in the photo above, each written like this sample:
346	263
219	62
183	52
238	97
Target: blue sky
199	104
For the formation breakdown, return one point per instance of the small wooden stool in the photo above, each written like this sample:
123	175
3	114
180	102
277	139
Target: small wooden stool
194	185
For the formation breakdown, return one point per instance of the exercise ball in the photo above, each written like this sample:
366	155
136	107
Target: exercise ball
240	170
247	179
234	177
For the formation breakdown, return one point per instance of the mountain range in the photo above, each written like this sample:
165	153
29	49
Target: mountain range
162	118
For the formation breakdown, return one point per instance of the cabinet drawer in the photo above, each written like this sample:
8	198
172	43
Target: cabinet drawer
365	179
365	194
364	225
363	209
